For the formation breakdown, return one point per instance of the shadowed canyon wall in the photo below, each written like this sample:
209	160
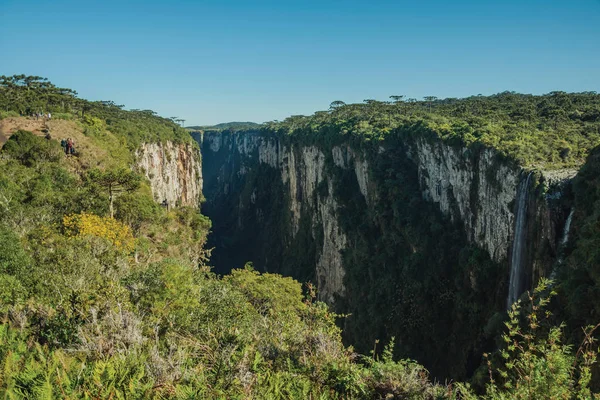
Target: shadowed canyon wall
412	237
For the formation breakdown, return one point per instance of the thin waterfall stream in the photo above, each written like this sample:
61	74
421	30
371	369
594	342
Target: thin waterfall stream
518	249
563	242
566	230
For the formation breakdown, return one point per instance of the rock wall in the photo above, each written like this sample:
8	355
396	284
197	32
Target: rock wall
174	171
477	190
482	191
411	236
302	171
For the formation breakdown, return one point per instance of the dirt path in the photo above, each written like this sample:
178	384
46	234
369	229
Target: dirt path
91	153
8	126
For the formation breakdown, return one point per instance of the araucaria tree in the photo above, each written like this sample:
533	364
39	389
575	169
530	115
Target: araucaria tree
429	100
115	182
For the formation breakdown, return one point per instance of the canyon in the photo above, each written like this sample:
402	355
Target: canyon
380	229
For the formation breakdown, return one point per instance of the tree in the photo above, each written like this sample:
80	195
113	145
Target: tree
29	149
115	182
373	107
397	99
336	104
429	100
86	224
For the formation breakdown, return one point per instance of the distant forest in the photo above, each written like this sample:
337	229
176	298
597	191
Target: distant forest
225	126
550	131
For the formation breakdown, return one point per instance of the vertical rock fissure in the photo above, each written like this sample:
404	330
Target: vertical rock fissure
563	242
518	248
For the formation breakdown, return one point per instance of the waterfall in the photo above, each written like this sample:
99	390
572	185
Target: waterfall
518	247
567	229
563	242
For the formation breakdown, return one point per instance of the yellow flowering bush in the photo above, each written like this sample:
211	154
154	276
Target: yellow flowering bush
84	224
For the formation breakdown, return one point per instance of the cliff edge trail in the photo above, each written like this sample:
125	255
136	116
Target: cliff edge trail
91	153
8	126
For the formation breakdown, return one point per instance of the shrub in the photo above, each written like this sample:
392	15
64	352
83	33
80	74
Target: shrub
29	149
13	259
63	116
12	291
534	363
8	114
136	209
115	232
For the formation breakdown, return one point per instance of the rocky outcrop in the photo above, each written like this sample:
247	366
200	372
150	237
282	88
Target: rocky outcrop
174	171
510	212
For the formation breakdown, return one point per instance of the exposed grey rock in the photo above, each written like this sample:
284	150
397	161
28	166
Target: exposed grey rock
476	190
174	172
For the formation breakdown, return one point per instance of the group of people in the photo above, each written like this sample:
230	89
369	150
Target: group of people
41	115
68	146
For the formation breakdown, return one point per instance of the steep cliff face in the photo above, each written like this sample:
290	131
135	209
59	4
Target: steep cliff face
477	191
304	182
505	210
174	171
406	233
480	192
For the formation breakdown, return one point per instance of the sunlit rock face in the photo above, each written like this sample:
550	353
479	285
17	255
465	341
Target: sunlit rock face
506	210
174	171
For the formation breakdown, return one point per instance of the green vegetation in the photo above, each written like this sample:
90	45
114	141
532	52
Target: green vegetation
578	274
225	126
424	284
410	272
90	311
26	95
115	182
551	131
111	297
534	363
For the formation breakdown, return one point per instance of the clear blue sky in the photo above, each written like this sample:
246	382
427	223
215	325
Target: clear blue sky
217	61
